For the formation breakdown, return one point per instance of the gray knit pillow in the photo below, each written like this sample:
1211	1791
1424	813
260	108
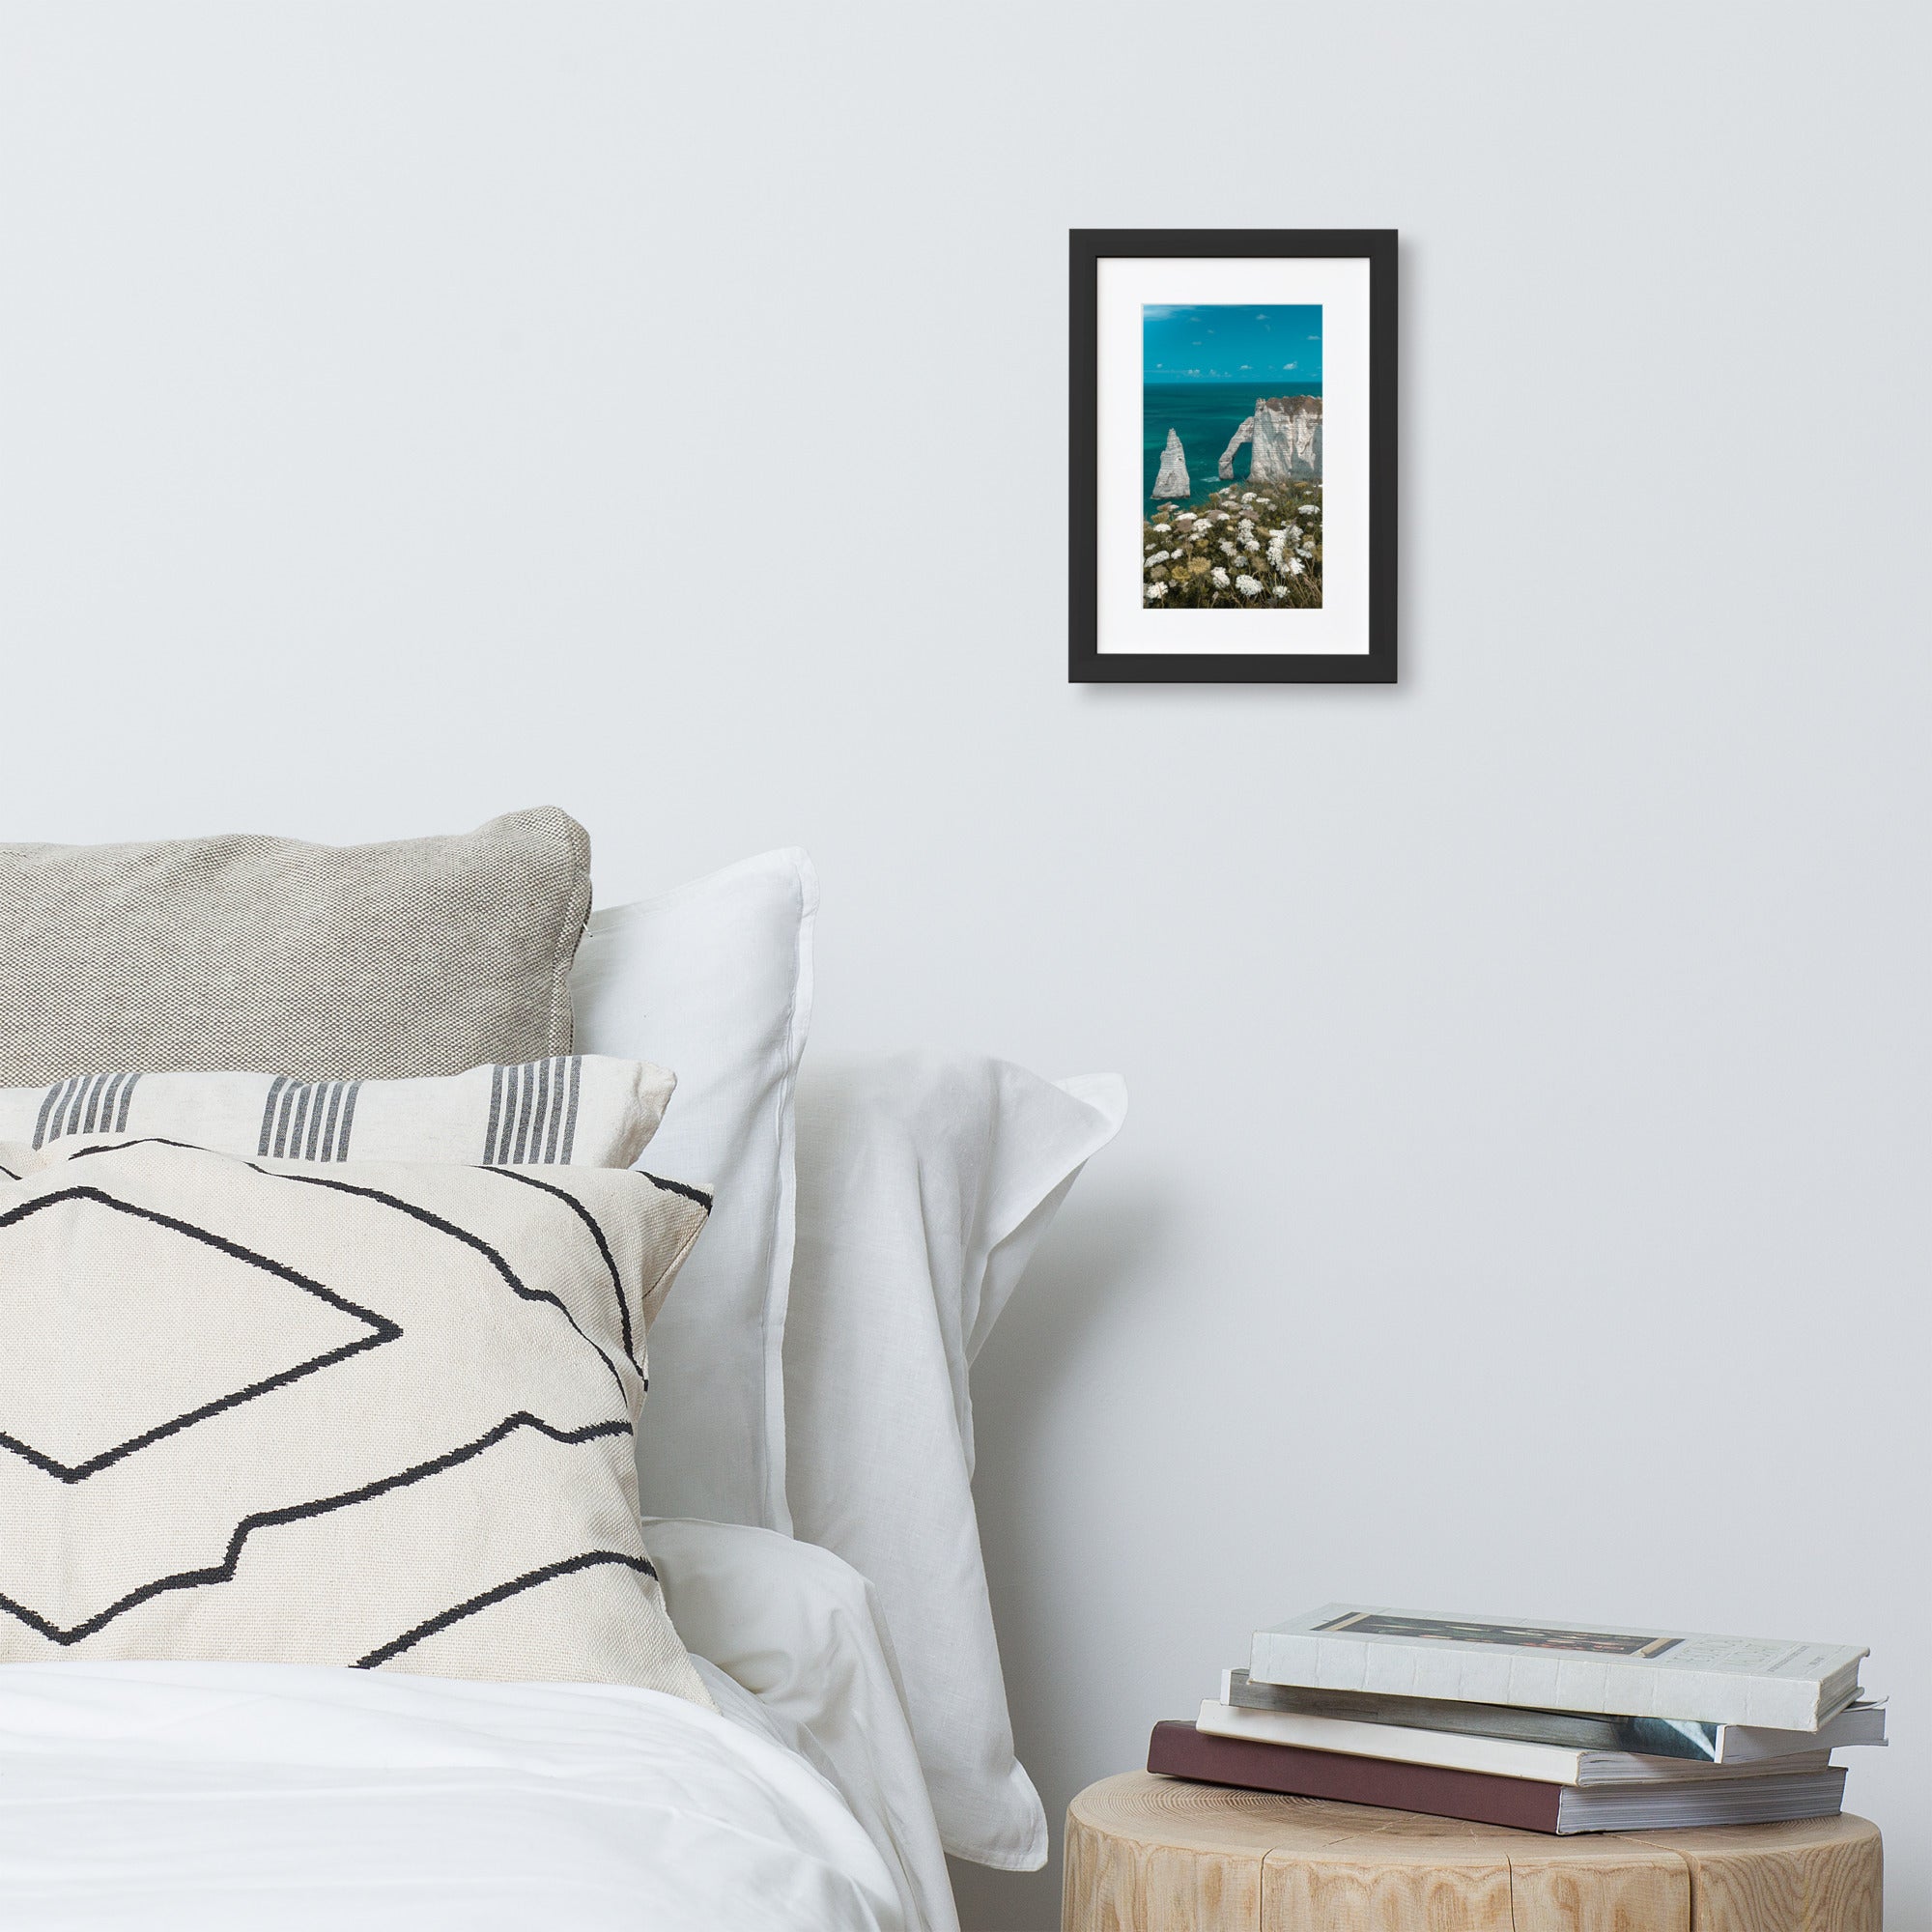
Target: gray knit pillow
425	956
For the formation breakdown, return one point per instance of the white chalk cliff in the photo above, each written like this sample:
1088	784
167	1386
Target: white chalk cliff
1286	435
1173	478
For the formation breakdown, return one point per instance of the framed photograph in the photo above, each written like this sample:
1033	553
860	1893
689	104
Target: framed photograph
1232	466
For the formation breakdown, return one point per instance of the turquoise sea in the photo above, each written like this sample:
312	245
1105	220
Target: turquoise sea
1205	414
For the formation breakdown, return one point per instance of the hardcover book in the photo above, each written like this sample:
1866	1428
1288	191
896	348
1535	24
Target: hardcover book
1652	1673
1494	1757
1860	1724
1180	1751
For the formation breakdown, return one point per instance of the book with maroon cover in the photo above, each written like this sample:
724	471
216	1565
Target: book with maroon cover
1528	1804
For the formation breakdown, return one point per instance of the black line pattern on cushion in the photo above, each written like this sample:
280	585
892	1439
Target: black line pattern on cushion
310	1120
408	1208
462	1235
591	1222
683	1187
87	1103
590	1559
147	1140
383	1331
224	1572
10	1173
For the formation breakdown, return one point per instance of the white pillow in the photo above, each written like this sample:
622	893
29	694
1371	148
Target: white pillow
714	981
925	1182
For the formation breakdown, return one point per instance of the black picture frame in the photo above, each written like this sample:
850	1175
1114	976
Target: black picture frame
1087	663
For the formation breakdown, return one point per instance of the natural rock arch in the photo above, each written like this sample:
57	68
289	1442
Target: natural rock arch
1245	434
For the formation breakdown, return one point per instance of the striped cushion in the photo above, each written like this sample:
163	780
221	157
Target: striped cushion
571	1110
374	1414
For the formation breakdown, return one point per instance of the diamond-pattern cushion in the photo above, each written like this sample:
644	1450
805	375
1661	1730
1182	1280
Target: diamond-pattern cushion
374	1414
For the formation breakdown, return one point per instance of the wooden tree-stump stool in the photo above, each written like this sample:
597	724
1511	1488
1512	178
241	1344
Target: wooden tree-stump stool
1147	1854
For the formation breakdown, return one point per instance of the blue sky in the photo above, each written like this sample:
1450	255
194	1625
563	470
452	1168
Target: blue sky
1229	342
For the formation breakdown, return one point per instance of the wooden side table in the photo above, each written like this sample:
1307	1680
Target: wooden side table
1147	1854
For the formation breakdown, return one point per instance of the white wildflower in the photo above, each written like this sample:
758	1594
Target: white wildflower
1228	549
1308	550
1159	557
1311	509
1278	547
1281	591
1163	529
1218	577
1251	543
1247	497
1155	590
1295	566
1247	586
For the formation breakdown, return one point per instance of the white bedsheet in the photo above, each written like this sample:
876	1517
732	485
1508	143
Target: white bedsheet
227	1796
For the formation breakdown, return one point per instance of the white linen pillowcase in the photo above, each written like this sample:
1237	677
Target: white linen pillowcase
578	1110
714	978
927	1180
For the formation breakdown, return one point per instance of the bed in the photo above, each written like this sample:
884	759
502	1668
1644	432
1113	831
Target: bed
724	1657
227	1794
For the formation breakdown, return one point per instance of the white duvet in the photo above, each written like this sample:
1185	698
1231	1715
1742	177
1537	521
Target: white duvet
224	1796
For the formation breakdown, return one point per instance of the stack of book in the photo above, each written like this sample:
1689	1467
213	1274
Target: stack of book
1547	1727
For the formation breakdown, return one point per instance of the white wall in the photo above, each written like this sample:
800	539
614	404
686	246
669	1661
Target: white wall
413	410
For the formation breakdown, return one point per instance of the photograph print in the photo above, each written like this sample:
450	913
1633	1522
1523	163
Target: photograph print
1509	1637
1233	457
1239	388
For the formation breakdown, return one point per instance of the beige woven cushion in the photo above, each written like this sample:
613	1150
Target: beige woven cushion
379	1414
322	962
